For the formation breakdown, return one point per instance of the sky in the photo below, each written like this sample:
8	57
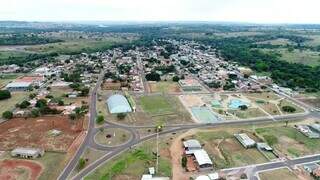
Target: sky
253	11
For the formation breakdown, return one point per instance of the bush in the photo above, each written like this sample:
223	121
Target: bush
243	107
41	103
7	115
289	109
100	119
81	163
5	94
184	161
121	116
24	104
35	113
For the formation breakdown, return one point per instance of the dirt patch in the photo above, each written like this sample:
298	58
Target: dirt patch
19	169
34	132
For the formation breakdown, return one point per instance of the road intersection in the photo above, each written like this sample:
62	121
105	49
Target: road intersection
111	152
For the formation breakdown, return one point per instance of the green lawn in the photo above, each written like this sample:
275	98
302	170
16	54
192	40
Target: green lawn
4	55
133	164
306	57
290	141
156	104
76	47
9	104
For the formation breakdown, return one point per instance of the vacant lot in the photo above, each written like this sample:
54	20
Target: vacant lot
9	104
156	104
132	164
60	92
288	140
283	174
249	113
34	132
165	87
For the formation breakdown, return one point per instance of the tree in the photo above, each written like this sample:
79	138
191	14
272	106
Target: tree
72	116
60	102
5	94
289	109
100	119
175	78
41	103
24	104
35	113
7	115
153	76
243	107
32	95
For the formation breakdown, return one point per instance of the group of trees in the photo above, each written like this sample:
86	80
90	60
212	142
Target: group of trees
23	39
153	76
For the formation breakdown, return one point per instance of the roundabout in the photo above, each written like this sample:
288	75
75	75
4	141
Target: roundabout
112	137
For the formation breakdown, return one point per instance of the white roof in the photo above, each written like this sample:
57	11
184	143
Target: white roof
245	139
202	178
18	84
29	151
213	176
202	157
192	143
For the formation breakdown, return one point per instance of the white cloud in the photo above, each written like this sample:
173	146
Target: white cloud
291	11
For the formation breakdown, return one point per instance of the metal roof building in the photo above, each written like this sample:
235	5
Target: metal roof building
245	140
118	104
203	160
191	145
27	152
18	86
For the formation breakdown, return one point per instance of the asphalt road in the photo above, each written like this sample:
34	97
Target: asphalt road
90	132
111	152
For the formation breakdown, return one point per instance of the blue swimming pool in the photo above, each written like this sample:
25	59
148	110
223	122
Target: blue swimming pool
236	103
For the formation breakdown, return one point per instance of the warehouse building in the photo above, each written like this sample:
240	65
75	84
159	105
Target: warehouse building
27	153
18	86
118	104
203	160
191	145
245	140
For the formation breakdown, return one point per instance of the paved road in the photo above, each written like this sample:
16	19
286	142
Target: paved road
111	152
258	168
90	132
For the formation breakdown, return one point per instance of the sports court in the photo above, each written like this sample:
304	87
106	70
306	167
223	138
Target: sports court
204	115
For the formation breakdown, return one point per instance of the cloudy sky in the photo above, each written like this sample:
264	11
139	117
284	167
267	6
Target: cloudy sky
258	11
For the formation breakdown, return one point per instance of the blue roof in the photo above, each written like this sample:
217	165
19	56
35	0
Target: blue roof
118	104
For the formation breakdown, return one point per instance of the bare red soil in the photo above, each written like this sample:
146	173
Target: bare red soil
34	132
9	169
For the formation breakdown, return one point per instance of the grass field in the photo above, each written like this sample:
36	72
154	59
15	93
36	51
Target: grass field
7	54
306	57
156	104
283	174
249	113
288	103
132	164
314	42
9	104
289	141
226	150
279	41
165	87
7	78
76	47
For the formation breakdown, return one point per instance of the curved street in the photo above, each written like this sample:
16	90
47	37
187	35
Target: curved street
110	152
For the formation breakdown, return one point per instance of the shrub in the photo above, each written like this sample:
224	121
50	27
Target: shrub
121	116
24	104
7	115
81	163
35	113
184	161
175	78
100	119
